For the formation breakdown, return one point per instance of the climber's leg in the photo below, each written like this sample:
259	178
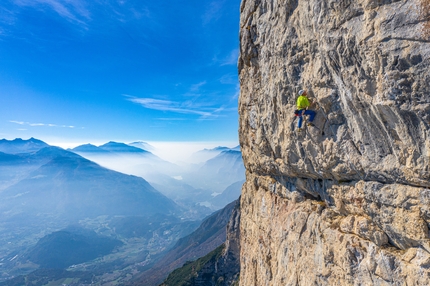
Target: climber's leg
311	114
299	123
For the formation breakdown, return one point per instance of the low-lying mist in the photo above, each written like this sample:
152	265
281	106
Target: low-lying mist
200	176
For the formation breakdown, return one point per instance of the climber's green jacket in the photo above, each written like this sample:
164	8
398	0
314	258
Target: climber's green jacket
302	102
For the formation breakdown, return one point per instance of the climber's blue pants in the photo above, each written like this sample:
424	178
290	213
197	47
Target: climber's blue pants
311	113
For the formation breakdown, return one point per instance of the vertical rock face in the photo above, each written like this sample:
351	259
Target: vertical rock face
224	270
346	202
220	267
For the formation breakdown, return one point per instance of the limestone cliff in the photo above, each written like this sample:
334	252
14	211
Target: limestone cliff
346	202
218	268
211	233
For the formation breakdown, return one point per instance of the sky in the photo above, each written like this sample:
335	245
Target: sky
75	71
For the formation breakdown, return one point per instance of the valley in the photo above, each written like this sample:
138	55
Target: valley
55	200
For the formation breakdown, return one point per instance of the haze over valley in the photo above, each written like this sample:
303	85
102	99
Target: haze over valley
123	199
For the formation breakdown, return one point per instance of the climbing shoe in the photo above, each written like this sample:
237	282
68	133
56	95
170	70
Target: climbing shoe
311	124
299	129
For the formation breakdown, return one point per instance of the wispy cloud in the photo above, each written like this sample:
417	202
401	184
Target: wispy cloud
205	109
208	113
237	93
213	12
226	60
189	106
71	10
7	16
229	79
142	13
196	87
168	105
231	59
40	124
198	102
171	119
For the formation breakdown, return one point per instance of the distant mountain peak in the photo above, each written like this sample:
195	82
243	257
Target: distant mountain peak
230	151
110	147
237	148
142	145
32	139
20	140
88	144
19	145
88	148
218	148
121	147
207	154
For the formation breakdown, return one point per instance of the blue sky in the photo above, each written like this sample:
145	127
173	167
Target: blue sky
93	71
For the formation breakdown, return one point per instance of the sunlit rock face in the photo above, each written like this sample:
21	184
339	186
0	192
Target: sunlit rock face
346	202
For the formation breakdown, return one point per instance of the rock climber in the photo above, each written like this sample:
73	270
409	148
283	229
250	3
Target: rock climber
302	109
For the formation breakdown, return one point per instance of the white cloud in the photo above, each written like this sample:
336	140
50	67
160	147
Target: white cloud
17	122
40	124
171	119
197	86
213	12
206	109
229	79
71	10
226	60
231	59
167	105
143	13
237	93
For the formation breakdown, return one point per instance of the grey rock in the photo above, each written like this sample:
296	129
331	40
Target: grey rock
345	202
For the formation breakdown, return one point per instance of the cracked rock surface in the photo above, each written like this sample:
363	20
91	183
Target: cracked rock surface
346	202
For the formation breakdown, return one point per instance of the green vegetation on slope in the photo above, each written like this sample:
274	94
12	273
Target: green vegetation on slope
67	247
185	276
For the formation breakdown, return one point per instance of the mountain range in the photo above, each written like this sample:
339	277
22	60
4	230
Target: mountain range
19	145
142	145
207	154
73	187
126	159
111	146
192	186
219	172
43	189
